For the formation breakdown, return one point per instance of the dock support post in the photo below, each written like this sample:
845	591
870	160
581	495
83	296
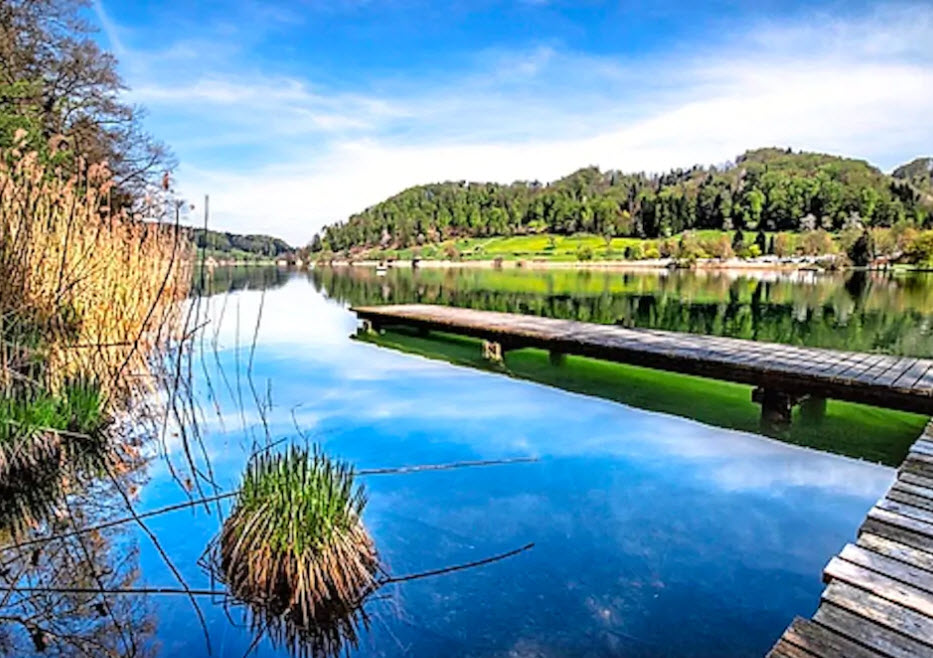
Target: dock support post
813	409
492	351
776	408
557	358
367	327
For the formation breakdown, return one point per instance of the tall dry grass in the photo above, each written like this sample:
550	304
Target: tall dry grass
88	295
85	292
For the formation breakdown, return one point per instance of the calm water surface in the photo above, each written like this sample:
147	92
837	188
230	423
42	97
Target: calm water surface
654	535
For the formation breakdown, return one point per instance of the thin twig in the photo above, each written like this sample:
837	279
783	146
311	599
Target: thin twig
458	567
121	590
230	494
444	467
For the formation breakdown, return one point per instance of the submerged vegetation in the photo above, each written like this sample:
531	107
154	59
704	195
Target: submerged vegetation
854	430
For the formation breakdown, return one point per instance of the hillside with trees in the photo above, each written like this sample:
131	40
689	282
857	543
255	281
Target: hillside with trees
766	190
235	245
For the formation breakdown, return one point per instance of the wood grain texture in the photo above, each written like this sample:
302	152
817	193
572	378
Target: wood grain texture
879	595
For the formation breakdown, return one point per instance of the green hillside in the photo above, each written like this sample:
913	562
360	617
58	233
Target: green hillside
769	189
233	246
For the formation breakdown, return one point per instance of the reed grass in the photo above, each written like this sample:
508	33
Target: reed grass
88	294
85	289
294	544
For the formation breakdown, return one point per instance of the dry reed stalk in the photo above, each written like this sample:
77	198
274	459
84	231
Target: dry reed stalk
89	290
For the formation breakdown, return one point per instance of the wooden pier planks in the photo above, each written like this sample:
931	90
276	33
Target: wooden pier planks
879	597
896	382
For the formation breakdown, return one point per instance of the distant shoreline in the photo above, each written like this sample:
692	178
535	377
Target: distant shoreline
647	264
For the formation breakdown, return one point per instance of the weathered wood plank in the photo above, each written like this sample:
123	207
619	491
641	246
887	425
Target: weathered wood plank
881	611
901	521
905	509
898	534
912	375
821	641
897	550
922	448
917	490
879	593
883	640
881	585
863	367
926	382
918	465
894	372
899	495
870	378
889	567
784	649
915	479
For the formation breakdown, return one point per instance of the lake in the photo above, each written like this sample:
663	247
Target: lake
655	534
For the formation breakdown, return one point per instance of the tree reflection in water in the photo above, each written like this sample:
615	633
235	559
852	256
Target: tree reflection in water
859	311
54	602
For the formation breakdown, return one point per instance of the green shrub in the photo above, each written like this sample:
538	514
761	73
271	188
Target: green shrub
920	249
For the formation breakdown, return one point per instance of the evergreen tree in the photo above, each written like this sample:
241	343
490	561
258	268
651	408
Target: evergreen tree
862	251
738	241
761	239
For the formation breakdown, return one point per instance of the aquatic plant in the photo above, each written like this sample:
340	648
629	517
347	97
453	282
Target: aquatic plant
294	545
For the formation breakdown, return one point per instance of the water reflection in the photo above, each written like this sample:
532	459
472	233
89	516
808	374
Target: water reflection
711	566
860	431
870	312
655	535
66	596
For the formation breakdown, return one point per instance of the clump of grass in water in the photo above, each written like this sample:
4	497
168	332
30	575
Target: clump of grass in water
294	546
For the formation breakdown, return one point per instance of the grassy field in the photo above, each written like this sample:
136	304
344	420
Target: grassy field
855	430
544	247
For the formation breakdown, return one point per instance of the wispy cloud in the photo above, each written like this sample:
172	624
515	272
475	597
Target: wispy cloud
286	153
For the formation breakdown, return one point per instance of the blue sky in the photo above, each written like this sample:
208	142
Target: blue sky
294	114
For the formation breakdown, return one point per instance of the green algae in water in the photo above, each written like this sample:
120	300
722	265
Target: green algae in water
855	430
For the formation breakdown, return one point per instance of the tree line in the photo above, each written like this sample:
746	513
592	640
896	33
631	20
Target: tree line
765	189
222	241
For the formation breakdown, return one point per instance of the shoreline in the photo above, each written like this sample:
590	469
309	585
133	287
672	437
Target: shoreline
637	265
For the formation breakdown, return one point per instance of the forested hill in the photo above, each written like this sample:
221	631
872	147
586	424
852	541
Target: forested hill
918	172
234	244
771	189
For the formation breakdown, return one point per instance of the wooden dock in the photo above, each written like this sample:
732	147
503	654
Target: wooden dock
784	374
879	597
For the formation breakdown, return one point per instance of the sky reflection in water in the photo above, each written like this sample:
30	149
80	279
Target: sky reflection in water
655	535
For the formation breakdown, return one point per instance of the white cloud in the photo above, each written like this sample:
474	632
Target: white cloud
284	156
